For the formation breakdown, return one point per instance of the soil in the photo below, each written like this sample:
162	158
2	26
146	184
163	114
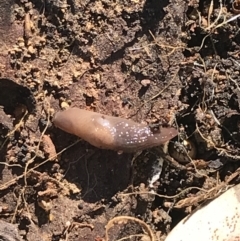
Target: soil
158	62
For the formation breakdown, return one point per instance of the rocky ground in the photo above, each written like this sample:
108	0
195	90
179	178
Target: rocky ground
159	62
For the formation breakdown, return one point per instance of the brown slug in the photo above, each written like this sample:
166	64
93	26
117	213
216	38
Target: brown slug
108	132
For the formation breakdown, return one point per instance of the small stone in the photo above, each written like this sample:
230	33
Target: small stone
145	82
59	75
21	44
64	105
31	50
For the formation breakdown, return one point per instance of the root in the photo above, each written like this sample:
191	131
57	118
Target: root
124	219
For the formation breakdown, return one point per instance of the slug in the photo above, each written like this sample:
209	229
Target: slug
108	132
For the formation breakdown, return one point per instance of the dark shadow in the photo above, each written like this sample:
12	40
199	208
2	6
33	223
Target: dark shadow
143	91
152	14
100	174
230	129
42	216
13	94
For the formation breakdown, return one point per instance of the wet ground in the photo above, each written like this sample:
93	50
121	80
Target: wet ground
158	62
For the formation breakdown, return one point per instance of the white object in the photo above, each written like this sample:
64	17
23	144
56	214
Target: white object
219	220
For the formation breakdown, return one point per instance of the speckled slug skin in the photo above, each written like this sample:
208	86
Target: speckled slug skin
108	132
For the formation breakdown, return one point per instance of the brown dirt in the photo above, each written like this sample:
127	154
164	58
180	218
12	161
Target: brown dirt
168	62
